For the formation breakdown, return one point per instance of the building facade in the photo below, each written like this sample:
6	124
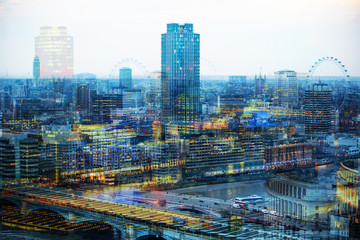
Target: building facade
125	78
301	195
286	88
82	99
221	154
36	68
288	156
180	74
317	110
348	199
54	48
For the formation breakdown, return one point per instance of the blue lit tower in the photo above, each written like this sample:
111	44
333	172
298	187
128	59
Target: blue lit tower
180	75
36	68
125	78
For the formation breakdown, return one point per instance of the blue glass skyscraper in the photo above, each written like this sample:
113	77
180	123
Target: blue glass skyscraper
125	78
180	75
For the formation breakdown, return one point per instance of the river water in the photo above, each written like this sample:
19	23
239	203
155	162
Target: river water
18	234
227	191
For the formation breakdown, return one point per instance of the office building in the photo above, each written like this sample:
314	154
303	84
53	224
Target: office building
54	48
102	105
19	157
317	110
221	153
286	88
29	158
82	99
180	75
7	159
285	156
125	78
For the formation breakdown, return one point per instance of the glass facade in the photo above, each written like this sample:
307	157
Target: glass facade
55	51
125	78
286	88
180	74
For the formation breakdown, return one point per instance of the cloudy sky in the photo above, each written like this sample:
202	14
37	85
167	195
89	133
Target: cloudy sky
236	36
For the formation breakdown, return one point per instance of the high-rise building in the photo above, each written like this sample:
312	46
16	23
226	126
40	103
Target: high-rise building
125	78
82	98
54	49
180	75
317	110
36	67
286	88
260	84
102	105
29	158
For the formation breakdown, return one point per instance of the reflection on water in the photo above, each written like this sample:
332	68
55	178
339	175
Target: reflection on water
17	234
227	191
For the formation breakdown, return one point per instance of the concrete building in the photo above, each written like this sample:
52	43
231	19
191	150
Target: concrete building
288	156
317	110
220	154
304	194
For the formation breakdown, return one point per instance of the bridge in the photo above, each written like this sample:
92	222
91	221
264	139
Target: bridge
42	209
192	208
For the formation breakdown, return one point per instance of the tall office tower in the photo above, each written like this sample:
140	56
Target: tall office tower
317	110
55	51
7	158
29	158
286	88
180	75
82	98
36	67
260	85
125	78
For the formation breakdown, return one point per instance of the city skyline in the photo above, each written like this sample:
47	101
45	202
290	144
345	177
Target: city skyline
252	36
169	156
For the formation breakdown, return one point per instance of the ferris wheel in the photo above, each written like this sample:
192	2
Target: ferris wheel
129	63
142	80
325	60
315	73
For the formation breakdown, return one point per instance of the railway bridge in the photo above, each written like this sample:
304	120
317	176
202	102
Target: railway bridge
43	209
